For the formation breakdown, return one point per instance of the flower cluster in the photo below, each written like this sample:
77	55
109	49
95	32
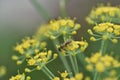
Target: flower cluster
27	48
20	77
40	59
78	76
73	46
104	14
105	31
59	27
101	63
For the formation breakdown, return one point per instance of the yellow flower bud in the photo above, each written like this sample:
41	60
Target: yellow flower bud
114	41
19	62
92	39
100	67
14	57
27	70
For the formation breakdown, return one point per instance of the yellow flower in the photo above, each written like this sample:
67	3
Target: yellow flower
79	76
64	74
18	77
100	67
31	62
59	27
56	78
89	67
105	31
73	46
104	14
3	71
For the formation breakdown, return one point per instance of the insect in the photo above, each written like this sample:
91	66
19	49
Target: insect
62	47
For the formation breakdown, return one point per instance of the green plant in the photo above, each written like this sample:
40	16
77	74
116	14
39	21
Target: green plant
58	34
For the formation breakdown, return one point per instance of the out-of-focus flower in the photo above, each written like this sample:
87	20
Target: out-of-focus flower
2	71
101	63
56	28
20	77
104	14
78	76
105	31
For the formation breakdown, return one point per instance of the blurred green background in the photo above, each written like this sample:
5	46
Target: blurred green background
20	18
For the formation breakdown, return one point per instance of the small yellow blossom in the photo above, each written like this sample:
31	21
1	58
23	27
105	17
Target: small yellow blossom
56	78
3	71
19	62
100	67
18	77
64	74
79	76
31	62
27	70
89	67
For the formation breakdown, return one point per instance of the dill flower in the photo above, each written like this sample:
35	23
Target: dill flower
20	77
28	46
56	28
56	78
104	14
40	59
78	76
72	45
105	31
101	63
2	71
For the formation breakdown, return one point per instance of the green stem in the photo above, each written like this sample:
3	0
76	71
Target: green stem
42	11
103	46
64	60
95	75
63	8
81	57
72	62
47	73
75	62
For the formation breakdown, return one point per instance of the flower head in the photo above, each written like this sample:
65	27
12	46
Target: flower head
101	63
73	46
20	77
105	31
40	59
59	27
27	48
78	76
104	14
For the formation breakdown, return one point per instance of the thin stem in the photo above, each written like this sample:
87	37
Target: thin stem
64	60
95	75
63	8
103	46
49	71
72	62
42	11
81	57
75	62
